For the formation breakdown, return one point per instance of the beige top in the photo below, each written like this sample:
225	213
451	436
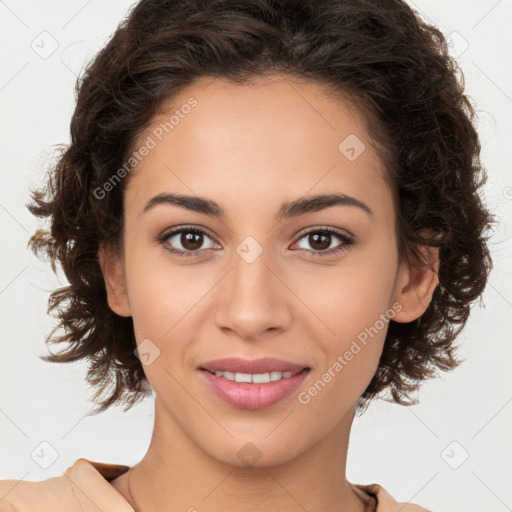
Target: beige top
85	487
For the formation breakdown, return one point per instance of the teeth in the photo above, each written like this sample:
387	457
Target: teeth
261	378
254	378
243	377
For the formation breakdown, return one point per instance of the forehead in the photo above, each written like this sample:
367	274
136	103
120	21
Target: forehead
270	137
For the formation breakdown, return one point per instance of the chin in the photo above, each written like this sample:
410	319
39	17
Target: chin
254	452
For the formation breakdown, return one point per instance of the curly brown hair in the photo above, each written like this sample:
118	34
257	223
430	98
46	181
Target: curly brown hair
379	53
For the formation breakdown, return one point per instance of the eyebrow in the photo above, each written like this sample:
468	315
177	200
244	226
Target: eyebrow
287	210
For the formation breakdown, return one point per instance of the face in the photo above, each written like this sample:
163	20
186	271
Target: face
239	275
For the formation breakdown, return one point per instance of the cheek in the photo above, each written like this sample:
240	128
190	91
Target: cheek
159	292
354	305
167	305
352	296
350	356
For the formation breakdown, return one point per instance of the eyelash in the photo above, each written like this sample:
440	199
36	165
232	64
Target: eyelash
347	241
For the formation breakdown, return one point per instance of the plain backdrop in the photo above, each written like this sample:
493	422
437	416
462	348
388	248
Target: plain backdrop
451	452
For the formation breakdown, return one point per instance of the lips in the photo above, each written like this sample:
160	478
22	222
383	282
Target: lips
258	366
255	384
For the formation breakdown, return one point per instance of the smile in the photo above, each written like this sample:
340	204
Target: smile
252	383
254	378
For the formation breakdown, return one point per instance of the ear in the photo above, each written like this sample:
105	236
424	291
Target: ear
416	283
115	280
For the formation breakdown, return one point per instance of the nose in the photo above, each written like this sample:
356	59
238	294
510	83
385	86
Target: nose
253	300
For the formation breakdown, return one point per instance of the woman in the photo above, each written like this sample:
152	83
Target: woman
269	215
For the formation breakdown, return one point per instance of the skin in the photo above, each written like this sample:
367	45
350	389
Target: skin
250	148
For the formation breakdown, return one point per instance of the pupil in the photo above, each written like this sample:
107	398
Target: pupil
187	240
323	245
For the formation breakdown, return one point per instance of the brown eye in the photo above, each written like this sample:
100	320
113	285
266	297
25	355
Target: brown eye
185	241
320	241
191	241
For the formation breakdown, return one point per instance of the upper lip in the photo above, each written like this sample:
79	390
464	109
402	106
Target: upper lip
263	365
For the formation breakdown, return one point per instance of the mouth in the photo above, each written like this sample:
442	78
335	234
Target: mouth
255	378
256	384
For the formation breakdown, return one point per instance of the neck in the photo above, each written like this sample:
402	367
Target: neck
175	474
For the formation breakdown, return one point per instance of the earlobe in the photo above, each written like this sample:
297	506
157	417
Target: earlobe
115	283
416	283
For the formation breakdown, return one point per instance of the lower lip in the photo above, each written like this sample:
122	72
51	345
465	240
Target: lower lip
243	395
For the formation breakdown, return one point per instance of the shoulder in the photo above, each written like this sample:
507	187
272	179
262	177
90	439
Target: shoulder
386	502
23	496
82	487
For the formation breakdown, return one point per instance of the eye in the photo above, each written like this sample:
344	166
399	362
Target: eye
321	239
189	241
